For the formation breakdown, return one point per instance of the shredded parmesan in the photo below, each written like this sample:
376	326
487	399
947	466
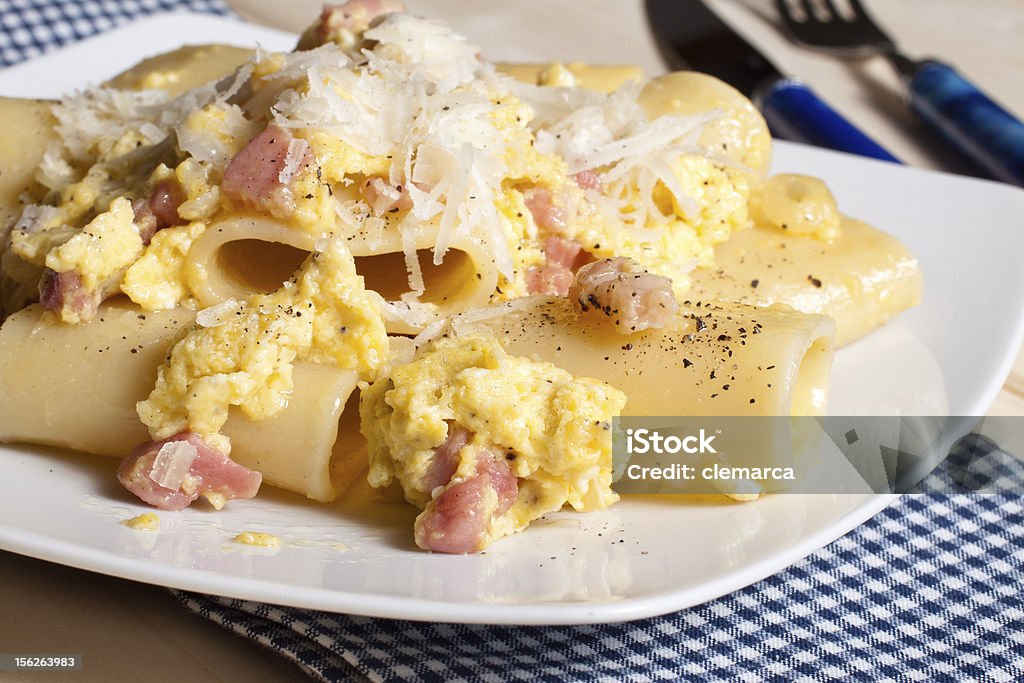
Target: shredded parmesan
219	314
465	322
172	464
54	171
429	47
235	82
468	321
424	99
215	134
411	313
297	149
631	154
452	129
35	217
431	332
412	260
152	132
102	113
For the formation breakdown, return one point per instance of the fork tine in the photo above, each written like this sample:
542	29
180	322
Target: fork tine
858	9
862	16
808	7
797	12
850	32
787	13
834	13
782	7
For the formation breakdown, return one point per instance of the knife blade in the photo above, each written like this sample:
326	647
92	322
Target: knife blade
689	35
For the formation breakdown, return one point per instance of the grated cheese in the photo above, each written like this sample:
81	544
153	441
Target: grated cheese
102	113
172	464
220	313
630	153
297	149
213	135
423	98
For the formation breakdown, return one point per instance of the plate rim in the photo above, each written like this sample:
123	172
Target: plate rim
553	613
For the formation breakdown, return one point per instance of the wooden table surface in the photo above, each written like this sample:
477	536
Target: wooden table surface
130	631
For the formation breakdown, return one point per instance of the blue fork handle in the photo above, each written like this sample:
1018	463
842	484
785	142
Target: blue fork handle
969	120
794	112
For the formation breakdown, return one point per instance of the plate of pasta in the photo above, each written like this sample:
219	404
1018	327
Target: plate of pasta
352	318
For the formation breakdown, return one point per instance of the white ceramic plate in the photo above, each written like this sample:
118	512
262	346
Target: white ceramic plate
645	556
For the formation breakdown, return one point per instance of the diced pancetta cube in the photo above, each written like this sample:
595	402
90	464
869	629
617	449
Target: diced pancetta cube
171	474
622	290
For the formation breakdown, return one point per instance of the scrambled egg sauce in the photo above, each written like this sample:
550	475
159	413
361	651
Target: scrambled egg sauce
687	235
242	353
147	521
258	539
554	429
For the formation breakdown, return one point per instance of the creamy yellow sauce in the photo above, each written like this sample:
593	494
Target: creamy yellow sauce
242	353
258	539
147	521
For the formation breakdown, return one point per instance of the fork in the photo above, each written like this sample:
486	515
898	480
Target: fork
944	100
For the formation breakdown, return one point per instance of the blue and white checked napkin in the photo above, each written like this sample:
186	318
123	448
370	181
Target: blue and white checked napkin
29	28
928	590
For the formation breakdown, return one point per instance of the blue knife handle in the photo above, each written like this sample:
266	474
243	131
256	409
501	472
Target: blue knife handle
794	112
969	120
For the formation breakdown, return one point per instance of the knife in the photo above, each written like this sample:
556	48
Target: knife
691	36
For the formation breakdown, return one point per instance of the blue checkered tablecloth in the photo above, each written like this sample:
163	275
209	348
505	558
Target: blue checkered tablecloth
929	590
29	28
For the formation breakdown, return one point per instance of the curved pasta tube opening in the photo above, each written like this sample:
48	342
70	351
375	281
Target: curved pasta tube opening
386	274
236	257
248	266
243	255
251	265
810	385
295	449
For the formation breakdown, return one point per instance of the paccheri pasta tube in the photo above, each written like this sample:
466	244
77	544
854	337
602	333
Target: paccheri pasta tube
44	381
20	156
244	254
713	359
861	279
77	387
